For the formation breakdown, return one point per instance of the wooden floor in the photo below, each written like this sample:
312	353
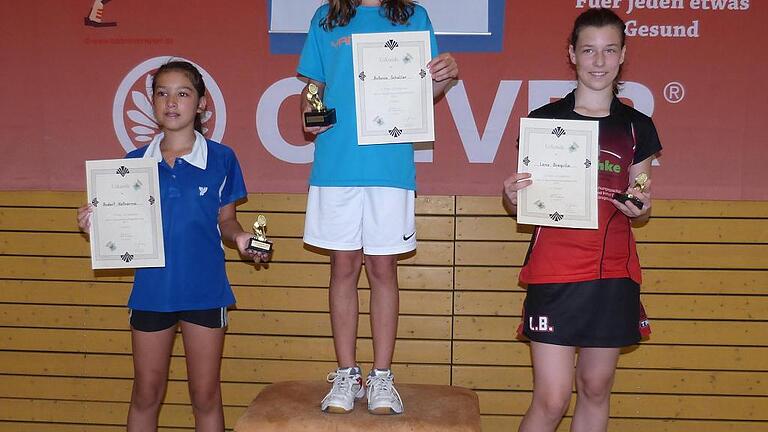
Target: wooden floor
65	360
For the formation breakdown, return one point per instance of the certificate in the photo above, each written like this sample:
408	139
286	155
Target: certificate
393	88
126	224
561	156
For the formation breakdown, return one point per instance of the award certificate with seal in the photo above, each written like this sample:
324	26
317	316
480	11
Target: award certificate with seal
562	157
126	223
393	88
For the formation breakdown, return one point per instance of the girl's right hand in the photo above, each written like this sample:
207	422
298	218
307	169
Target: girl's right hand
306	107
84	217
316	130
513	184
242	240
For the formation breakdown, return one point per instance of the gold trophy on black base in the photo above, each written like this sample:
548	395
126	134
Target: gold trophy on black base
640	184
320	115
259	241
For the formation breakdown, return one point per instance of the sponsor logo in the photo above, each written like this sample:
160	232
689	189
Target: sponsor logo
540	324
346	40
132	114
609	166
408	237
480	145
203	190
95	17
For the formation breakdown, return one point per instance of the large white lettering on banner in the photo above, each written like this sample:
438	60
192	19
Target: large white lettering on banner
479	148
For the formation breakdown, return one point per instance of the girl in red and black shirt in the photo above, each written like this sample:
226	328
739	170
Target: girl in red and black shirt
583	286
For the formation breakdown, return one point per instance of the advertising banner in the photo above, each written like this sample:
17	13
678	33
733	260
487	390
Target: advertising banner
75	78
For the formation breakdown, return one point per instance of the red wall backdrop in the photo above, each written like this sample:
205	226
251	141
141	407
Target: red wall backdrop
60	82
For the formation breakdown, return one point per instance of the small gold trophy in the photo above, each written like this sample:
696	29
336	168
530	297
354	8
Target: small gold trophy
320	115
641	182
259	241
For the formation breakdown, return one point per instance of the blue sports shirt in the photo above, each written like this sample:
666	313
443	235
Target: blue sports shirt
327	58
191	194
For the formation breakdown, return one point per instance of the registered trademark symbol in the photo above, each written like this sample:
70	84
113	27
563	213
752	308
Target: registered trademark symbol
674	92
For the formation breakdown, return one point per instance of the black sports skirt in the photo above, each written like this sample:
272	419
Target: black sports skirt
598	313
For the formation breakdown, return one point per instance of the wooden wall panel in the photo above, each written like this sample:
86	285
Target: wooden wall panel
65	361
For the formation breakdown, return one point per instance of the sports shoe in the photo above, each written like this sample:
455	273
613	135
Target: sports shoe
347	386
383	398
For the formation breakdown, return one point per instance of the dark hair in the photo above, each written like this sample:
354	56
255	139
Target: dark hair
340	12
599	17
194	76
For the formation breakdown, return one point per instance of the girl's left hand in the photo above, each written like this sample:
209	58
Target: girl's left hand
242	240
629	208
443	67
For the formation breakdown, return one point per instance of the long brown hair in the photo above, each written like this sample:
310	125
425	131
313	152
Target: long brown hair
340	12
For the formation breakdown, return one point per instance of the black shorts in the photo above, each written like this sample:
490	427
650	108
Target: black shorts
148	321
598	313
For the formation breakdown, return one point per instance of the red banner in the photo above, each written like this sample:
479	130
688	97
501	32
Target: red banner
73	82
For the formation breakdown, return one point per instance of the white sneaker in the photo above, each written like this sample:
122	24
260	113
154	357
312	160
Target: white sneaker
383	398
347	386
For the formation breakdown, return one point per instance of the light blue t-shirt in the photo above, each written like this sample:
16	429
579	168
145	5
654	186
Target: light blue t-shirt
327	57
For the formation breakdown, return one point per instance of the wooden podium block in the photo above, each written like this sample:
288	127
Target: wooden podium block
294	406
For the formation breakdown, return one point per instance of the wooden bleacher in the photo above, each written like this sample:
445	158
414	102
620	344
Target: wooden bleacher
65	346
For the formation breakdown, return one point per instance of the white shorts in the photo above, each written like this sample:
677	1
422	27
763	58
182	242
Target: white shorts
379	220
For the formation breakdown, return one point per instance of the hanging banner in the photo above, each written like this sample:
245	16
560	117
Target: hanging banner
75	80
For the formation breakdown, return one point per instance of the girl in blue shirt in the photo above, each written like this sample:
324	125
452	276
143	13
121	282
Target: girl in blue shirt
361	198
200	181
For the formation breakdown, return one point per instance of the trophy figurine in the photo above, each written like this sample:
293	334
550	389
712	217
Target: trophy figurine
320	115
259	242
641	182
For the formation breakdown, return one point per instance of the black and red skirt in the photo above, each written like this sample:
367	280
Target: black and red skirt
603	313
